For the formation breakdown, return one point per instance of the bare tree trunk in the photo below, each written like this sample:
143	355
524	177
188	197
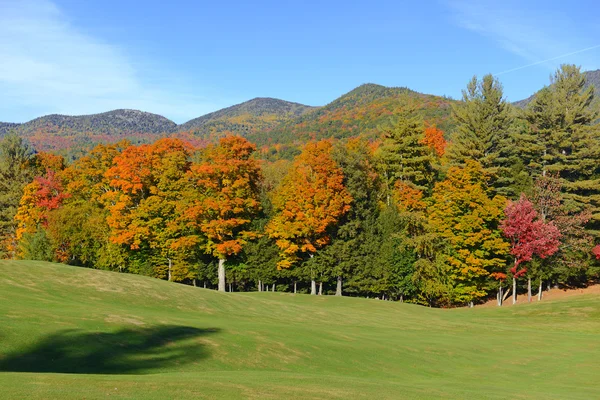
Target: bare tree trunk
313	287
221	274
204	284
506	294
401	298
514	290
169	279
273	288
540	290
338	289
320	288
471	304
294	287
194	281
529	290
230	287
259	285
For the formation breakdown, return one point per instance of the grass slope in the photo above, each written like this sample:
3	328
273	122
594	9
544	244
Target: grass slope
68	332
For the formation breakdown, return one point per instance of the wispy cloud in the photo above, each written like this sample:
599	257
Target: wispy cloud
537	35
48	66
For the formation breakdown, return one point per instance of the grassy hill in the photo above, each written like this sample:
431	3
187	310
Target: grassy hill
69	332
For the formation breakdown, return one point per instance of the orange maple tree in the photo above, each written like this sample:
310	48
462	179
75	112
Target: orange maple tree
224	197
434	139
311	199
147	182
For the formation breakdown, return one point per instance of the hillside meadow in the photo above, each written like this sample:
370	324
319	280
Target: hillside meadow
74	333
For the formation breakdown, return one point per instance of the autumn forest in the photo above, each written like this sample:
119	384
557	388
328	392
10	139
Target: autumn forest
496	202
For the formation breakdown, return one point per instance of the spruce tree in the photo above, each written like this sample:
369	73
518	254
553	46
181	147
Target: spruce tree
562	139
15	172
404	155
484	122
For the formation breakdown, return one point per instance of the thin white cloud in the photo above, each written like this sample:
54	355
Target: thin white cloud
538	35
48	66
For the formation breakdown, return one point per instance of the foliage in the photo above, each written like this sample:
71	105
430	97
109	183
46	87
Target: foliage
310	199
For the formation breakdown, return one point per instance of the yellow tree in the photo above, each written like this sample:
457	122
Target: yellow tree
310	200
224	198
463	213
147	182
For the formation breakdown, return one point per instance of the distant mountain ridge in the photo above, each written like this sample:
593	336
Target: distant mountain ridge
265	121
121	121
591	78
260	113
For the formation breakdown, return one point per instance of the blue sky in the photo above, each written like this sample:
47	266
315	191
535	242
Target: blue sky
182	59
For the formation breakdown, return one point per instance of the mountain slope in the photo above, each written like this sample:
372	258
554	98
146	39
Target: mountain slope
261	113
75	134
359	112
73	333
591	78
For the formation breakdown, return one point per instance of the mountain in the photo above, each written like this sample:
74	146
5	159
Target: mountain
591	78
76	134
117	121
265	121
361	111
259	114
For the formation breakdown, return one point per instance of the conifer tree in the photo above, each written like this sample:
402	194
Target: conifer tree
484	121
406	156
16	171
562	139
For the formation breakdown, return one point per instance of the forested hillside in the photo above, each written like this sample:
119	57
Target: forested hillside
360	112
251	117
383	193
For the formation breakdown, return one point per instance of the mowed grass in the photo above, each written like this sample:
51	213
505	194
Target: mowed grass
74	333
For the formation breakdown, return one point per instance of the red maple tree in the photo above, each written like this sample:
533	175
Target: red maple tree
529	235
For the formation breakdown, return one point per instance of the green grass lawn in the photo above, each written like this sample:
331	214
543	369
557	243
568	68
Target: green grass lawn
74	333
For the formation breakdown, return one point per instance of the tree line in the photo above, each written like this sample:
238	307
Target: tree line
511	200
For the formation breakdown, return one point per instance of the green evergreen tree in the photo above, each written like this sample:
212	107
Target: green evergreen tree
15	172
562	139
404	156
484	121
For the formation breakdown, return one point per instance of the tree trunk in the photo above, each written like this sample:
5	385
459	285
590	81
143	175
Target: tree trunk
204	284
540	290
529	290
505	294
221	274
169	279
294	287
230	287
401	298
320	288
273	288
313	287
514	290
338	289
194	281
499	296
470	304
259	285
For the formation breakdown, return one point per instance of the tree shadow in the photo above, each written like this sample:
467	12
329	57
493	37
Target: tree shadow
127	351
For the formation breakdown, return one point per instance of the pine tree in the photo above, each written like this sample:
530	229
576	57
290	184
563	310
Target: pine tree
16	171
406	156
484	122
562	139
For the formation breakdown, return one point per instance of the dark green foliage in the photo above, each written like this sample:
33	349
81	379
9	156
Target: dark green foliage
483	125
403	155
15	172
37	246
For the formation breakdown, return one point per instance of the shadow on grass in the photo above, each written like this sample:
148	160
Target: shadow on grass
128	351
